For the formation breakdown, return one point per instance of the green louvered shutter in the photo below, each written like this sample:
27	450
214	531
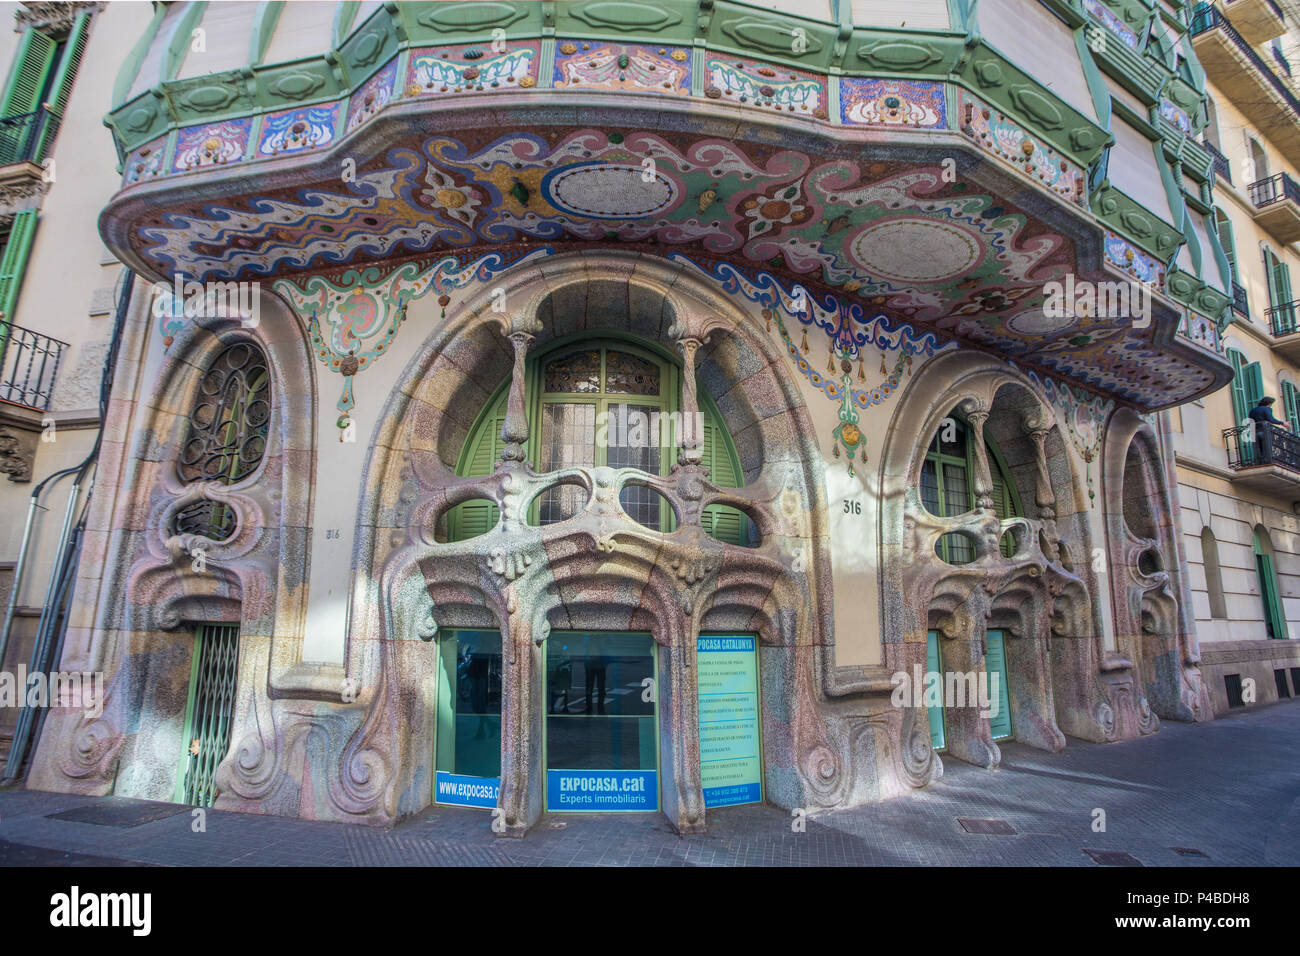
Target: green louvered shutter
1292	406
726	524
1254	385
14	260
1278	274
64	77
933	665
36	53
1239	406
995	662
1002	507
473	518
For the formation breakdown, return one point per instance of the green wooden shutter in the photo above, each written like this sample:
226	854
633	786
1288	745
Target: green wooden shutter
73	50
934	665
36	54
14	261
726	524
1239	406
1278	274
1226	239
1292	406
473	518
1254	385
995	662
1274	616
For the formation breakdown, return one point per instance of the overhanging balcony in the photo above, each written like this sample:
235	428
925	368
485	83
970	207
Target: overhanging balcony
1240	303
29	365
1284	323
1277	207
1258	21
27	138
1268	461
1231	62
1222	168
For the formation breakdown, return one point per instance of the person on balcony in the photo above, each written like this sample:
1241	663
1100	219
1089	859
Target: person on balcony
1262	416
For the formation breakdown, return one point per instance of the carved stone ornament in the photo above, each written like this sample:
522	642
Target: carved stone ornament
17	452
52	17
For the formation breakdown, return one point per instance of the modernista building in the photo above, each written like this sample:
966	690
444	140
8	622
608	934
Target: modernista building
617	406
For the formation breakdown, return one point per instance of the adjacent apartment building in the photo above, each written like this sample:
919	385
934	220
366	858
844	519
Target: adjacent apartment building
600	406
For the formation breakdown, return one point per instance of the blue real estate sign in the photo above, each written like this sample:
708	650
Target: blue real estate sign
460	791
730	762
605	790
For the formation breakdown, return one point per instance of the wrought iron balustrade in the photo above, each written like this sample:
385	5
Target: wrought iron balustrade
1240	304
1275	189
1206	18
27	138
1262	444
29	364
1282	318
1221	165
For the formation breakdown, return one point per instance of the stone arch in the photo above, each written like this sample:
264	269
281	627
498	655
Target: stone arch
1023	594
152	589
529	580
1153	632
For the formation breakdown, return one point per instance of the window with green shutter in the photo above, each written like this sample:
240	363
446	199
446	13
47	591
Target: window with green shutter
29	78
602	402
948	488
13	262
1226	239
69	61
1240	408
1291	406
995	662
37	90
934	665
1274	616
1279	293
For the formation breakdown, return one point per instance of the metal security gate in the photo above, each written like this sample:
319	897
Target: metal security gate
208	712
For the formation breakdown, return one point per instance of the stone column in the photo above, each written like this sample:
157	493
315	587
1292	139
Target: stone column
692	452
1043	496
522	774
983	476
514	432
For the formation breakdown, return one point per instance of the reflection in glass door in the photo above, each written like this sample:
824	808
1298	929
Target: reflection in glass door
469	719
602	750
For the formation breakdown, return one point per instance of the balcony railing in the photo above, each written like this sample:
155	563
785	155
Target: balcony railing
1271	445
1274	189
29	363
26	138
1240	304
1208	18
1282	318
1221	165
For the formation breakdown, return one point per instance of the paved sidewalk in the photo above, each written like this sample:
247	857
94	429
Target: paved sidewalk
1229	790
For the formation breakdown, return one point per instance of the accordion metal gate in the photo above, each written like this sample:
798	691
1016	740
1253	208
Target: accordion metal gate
208	712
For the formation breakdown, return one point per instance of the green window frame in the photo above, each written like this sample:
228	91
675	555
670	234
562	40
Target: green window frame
1280	297
948	489
934	665
1274	616
29	76
41	77
13	264
209	712
1228	241
482	449
1291	404
995	662
1240	404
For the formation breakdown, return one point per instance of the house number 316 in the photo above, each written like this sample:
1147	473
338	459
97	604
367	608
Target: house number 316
852	507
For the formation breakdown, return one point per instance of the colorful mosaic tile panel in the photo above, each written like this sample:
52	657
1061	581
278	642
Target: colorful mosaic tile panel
873	102
292	131
1178	117
213	144
1112	22
1005	138
1141	266
144	163
372	96
440	70
589	64
765	84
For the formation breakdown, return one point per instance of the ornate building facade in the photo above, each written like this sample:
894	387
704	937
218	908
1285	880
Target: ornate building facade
599	406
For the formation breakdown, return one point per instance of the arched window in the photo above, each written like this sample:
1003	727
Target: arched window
948	490
602	402
226	439
1274	616
1213	574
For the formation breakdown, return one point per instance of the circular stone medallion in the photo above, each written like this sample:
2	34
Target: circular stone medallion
609	191
916	250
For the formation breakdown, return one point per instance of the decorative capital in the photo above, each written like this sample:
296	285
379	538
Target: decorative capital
17	453
51	17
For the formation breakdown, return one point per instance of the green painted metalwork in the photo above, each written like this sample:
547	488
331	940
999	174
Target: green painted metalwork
948	489
995	662
208	712
181	39
131	65
934	665
13	261
263	28
1274	616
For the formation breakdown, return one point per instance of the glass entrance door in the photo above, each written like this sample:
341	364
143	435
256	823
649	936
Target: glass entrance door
602	736
468	757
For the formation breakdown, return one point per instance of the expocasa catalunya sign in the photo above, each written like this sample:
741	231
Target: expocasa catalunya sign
458	790
578	791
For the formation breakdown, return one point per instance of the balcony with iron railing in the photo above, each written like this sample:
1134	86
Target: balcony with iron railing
1264	457
1258	21
1284	324
29	365
1222	168
1231	61
1277	206
27	138
1240	302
